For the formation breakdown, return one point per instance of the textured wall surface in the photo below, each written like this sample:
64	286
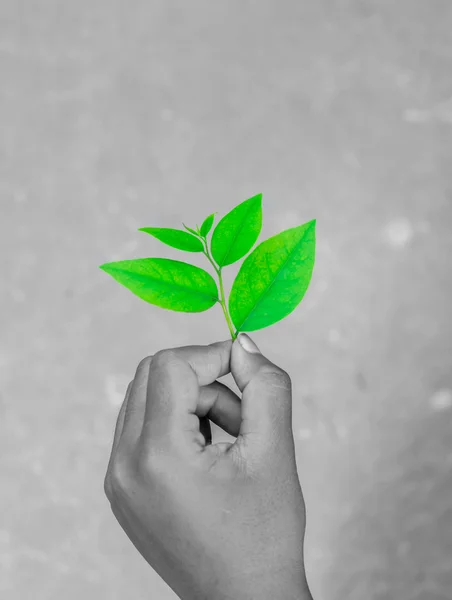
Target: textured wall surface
121	114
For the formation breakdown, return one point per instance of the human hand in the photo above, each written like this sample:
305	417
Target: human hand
215	521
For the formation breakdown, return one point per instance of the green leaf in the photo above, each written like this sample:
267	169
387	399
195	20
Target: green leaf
207	225
170	284
237	232
273	279
176	238
190	230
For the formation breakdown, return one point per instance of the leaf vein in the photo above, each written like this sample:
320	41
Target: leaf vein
173	282
238	231
267	290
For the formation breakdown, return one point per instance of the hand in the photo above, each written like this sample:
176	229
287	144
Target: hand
215	521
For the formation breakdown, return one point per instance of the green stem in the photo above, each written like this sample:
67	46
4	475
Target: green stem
223	297
225	310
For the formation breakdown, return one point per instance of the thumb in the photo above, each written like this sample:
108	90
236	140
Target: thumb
266	424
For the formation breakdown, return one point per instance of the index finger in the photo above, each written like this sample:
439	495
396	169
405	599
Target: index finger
175	377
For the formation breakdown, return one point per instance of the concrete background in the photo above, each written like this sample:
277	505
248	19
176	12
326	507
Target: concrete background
123	114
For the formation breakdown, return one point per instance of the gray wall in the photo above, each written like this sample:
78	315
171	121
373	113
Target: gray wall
123	114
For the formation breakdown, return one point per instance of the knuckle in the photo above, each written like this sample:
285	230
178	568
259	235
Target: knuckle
163	358
107	487
276	377
144	363
117	477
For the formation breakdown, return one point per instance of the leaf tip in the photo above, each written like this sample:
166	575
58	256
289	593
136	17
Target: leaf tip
108	267
257	197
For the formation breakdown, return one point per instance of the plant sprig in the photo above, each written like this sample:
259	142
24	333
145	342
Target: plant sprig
270	284
205	228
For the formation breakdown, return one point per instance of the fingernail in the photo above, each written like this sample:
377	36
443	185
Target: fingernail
248	344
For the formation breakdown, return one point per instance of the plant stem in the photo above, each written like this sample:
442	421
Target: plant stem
223	298
225	310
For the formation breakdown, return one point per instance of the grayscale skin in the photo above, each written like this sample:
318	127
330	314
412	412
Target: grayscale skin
215	521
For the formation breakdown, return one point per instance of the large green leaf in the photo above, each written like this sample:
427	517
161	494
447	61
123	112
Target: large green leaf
176	238
170	284
273	279
237	232
207	225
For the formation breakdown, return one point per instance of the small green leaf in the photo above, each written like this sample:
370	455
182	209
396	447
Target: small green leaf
273	279
207	225
190	230
170	284
237	232
176	238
